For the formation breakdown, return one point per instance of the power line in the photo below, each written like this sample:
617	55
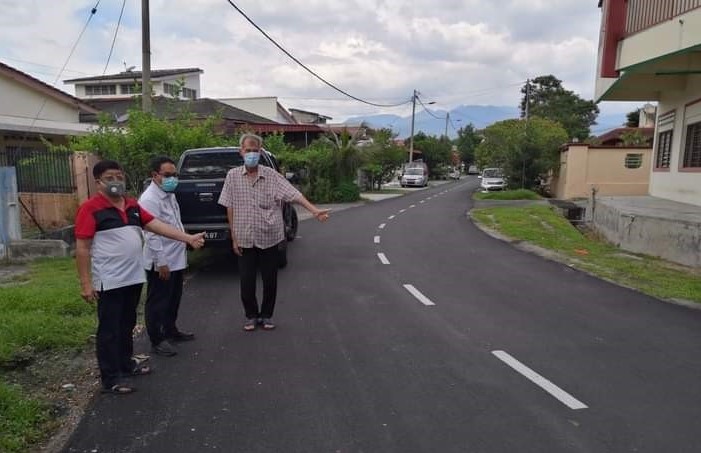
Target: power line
428	111
43	65
293	58
114	38
58	76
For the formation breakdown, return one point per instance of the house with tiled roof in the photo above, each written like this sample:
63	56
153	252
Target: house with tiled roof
34	115
31	108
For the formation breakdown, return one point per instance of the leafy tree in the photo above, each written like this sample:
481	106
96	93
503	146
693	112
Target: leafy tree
382	158
146	136
345	154
633	118
435	151
549	99
467	142
526	150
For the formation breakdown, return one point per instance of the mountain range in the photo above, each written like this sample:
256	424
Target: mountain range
480	116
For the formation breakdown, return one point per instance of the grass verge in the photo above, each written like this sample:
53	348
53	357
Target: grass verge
41	314
21	419
520	194
541	226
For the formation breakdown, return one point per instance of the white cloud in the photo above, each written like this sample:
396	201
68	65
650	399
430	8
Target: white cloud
453	51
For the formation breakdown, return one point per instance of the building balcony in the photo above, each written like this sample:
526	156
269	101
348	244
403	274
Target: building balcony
648	47
643	14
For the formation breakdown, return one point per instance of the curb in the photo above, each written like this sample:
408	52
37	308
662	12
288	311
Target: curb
562	259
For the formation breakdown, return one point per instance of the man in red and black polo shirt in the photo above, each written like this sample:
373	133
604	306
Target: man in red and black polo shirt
109	259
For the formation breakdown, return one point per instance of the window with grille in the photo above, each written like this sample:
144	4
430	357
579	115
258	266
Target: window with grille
633	160
664	149
100	90
130	88
189	93
692	148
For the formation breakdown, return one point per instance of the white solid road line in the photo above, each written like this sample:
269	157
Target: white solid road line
382	226
564	397
377	239
416	293
390	217
383	258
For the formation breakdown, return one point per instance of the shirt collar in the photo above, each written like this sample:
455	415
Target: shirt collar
244	171
162	194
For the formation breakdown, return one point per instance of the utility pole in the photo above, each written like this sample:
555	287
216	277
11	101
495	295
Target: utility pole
411	138
447	119
145	57
525	116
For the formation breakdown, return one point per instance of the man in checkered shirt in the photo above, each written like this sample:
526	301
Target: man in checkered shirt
253	195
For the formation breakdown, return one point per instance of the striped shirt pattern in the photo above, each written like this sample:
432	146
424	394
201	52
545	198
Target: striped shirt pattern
257	205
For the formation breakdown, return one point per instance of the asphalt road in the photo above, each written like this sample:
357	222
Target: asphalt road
489	350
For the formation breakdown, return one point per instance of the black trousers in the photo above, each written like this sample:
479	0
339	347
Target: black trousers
162	305
116	318
265	261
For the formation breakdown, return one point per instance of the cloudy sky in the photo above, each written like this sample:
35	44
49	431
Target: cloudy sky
453	51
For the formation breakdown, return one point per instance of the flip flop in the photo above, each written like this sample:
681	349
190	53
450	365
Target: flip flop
119	389
141	370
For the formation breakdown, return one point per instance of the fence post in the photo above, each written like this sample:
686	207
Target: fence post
10	229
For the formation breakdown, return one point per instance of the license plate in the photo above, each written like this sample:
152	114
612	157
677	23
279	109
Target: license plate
213	235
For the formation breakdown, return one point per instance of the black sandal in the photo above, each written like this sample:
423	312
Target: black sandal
119	389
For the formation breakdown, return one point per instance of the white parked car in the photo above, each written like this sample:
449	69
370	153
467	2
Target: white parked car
414	176
492	179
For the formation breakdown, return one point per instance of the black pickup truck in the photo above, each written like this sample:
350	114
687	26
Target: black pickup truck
201	173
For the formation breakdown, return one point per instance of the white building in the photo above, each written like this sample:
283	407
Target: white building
183	83
31	110
267	107
650	50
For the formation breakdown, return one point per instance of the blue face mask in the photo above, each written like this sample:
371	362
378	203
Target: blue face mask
169	184
251	159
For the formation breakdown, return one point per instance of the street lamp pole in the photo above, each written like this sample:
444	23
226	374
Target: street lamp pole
411	138
447	119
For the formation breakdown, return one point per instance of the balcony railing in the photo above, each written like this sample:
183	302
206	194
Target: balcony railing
644	14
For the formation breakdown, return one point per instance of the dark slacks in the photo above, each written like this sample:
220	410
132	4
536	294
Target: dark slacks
265	261
116	319
162	305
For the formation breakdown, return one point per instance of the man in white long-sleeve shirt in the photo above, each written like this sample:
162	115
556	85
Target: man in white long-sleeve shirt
165	261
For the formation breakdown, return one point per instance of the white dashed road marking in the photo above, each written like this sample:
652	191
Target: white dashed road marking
412	206
564	397
382	226
383	258
416	293
402	211
390	217
422	201
377	239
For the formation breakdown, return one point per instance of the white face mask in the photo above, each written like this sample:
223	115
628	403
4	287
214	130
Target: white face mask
251	159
